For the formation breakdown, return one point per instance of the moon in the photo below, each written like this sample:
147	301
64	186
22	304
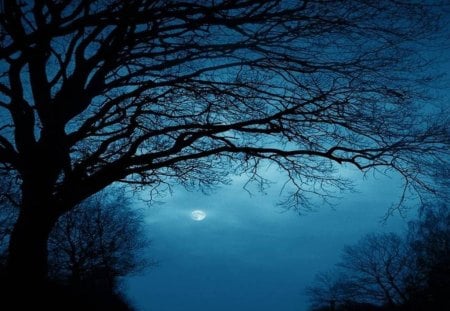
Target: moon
198	215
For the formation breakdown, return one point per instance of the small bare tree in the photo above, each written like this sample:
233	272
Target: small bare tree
386	270
330	290
100	240
376	270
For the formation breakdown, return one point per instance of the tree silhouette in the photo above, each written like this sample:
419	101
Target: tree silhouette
374	271
429	238
329	291
153	92
391	272
98	241
378	266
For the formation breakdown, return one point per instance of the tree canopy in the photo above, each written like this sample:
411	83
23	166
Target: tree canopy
99	91
94	92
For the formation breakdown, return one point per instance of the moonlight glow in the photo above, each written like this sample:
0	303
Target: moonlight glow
198	215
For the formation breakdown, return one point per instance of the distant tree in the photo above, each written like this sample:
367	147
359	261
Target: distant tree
374	270
429	238
100	240
329	291
410	273
94	92
377	267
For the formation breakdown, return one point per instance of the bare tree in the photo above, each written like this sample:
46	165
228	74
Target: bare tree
378	266
330	290
388	271
377	270
100	240
94	92
7	219
429	239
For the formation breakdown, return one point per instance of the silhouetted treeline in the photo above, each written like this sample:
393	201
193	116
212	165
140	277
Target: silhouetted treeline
90	249
391	272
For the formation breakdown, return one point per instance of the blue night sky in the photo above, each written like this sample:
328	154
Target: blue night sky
248	254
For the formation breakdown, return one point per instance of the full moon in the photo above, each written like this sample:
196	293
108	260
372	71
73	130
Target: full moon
198	215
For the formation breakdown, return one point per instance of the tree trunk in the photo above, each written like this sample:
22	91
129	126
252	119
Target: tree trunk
28	254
